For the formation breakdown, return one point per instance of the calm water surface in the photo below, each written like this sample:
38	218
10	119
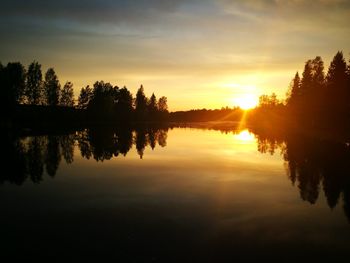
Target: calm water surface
174	195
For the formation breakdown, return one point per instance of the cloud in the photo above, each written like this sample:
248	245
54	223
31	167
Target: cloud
173	44
110	11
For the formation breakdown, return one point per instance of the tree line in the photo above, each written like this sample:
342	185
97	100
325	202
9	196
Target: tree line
113	103
315	98
103	102
22	85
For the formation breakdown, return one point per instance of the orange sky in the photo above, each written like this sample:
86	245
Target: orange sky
198	53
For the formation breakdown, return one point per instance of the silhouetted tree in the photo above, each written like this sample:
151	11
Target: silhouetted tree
67	95
85	97
52	87
318	76
306	81
337	90
141	103
266	101
103	100
12	82
294	91
305	96
152	105
34	89
163	104
124	104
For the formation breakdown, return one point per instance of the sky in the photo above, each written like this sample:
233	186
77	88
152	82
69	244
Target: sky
197	53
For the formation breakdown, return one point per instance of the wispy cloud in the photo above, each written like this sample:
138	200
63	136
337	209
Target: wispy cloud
173	45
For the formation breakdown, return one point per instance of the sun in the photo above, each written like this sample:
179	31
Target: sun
246	102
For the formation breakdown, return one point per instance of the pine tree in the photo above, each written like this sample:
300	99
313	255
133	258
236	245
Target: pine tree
338	92
52	87
318	77
141	103
306	81
152	105
294	91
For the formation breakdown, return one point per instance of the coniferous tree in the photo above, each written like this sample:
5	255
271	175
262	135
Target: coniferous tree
141	103
294	91
67	95
34	91
312	106
306	94
52	87
152	105
338	92
318	76
306	81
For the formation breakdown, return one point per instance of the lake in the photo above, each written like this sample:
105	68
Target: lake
178	194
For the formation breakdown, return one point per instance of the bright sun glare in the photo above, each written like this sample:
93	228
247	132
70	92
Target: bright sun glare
244	136
246	102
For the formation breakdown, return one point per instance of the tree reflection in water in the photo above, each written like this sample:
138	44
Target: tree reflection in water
312	164
28	157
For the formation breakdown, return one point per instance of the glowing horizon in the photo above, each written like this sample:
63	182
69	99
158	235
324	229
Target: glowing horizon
199	54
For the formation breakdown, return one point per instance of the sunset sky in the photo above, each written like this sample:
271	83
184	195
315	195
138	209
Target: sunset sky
198	53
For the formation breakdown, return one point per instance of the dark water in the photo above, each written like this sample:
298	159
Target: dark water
174	195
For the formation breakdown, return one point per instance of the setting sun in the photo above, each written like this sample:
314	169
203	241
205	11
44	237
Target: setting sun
246	102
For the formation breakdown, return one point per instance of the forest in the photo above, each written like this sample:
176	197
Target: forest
315	99
30	98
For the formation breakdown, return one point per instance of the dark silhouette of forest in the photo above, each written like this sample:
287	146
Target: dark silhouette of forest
28	156
33	99
315	99
29	98
205	115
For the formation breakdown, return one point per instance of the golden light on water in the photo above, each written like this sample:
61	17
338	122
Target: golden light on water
245	136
